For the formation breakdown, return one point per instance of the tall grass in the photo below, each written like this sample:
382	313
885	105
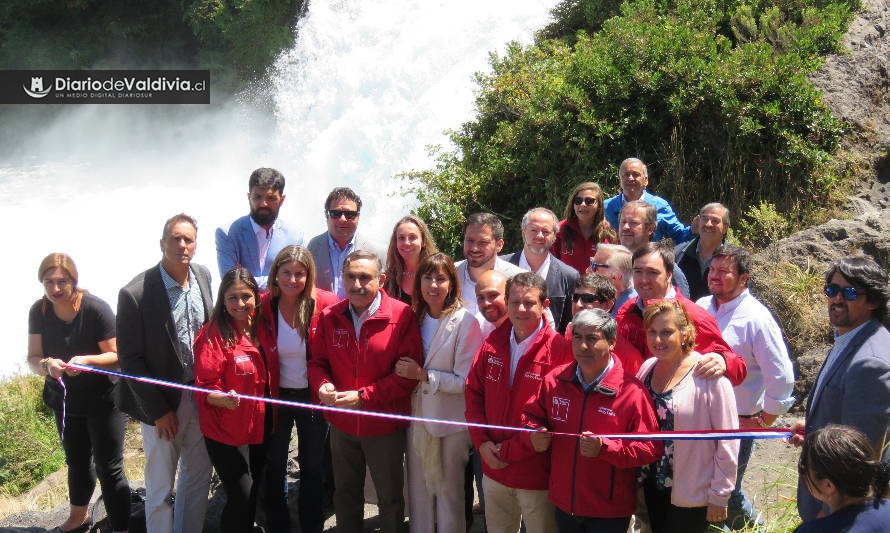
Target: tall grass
29	443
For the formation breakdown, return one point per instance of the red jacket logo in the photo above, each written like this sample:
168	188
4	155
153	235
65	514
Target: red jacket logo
494	369
559	410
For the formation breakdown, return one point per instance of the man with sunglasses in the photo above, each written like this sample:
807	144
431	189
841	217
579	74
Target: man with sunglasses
254	240
633	176
614	262
539	227
342	210
853	386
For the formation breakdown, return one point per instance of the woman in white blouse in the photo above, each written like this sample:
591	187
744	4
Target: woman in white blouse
438	453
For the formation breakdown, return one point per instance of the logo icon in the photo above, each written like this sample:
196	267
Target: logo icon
37	90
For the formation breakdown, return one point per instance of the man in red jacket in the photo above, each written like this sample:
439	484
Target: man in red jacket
507	372
652	267
592	478
352	365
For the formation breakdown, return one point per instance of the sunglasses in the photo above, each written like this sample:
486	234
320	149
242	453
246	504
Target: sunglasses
334	214
594	266
587	298
586	201
850	293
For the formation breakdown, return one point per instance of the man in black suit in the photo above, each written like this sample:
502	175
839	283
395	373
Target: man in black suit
158	315
539	228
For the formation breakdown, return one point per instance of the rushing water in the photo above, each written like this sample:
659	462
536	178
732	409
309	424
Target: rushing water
368	85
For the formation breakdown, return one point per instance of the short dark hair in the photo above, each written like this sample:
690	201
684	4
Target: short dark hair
845	456
601	285
530	280
266	178
486	219
220	316
866	273
176	219
739	255
343	193
664	248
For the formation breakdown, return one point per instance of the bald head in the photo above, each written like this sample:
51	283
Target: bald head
491	289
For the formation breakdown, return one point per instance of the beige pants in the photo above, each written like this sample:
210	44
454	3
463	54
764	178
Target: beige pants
506	507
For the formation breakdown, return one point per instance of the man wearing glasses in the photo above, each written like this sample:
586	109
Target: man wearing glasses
342	210
614	262
853	386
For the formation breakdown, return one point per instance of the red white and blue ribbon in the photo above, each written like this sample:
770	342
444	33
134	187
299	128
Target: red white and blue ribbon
711	434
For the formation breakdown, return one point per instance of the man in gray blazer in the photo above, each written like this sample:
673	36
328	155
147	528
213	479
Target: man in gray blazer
539	227
342	210
853	386
158	315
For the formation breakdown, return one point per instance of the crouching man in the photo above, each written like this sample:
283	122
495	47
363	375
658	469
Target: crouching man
592	482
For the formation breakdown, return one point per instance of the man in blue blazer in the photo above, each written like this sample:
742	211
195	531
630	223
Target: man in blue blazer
539	228
853	386
254	240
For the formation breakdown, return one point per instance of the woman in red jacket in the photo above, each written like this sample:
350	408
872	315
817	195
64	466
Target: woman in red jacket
231	354
583	227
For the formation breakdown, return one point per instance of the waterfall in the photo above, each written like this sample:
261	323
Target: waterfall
367	87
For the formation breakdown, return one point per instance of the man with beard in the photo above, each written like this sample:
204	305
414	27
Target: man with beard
539	227
483	240
254	240
853	386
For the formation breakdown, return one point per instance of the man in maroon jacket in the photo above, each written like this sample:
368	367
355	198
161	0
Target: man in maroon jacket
352	365
652	267
507	372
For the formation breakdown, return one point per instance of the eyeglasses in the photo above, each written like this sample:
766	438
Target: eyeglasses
334	214
587	298
594	266
586	201
850	293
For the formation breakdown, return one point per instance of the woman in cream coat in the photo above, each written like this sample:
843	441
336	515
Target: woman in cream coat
438	453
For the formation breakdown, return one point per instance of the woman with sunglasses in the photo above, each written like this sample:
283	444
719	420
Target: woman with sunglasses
838	465
438	453
690	484
69	325
583	227
291	307
410	243
234	355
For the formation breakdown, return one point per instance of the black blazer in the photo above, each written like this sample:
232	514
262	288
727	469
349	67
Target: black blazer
147	344
561	280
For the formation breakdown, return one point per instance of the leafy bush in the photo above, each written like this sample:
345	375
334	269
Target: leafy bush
29	444
763	224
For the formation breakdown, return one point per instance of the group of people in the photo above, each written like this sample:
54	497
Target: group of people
587	330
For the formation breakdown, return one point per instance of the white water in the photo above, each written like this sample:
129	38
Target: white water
367	87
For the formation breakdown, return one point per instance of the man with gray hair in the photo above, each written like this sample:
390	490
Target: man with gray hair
354	351
615	262
694	257
539	227
633	175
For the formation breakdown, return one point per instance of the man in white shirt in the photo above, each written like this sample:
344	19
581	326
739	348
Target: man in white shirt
751	331
483	240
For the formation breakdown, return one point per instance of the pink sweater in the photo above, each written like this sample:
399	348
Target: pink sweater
704	470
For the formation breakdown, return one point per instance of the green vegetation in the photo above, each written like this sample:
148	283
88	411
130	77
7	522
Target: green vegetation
713	94
29	443
236	39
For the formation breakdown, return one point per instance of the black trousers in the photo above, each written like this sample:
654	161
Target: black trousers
664	517
567	523
94	447
241	478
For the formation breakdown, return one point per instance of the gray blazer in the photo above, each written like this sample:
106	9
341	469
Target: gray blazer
147	344
561	280
855	391
318	247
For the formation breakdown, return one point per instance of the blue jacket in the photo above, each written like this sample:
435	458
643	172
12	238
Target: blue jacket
668	224
236	245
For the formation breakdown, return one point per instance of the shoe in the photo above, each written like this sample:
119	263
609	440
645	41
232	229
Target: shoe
84	528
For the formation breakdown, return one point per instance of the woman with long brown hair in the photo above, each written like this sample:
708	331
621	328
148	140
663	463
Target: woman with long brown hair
69	325
410	243
291	308
583	227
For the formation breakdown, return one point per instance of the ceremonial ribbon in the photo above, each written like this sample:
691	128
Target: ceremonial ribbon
711	434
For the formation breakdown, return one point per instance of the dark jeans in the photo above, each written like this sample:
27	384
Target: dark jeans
240	478
311	434
97	440
664	517
741	513
586	524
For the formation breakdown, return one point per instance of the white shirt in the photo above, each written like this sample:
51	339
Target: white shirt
291	356
545	266
263	240
428	328
751	331
468	286
518	349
